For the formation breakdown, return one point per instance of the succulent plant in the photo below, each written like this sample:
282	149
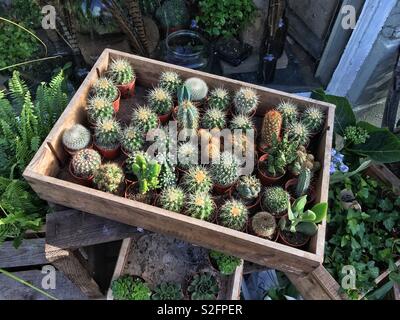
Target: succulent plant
313	118
85	163
226	264
167	177
241	122
109	177
147	172
187	155
160	100
289	112
234	215
76	138
131	139
272	126
105	87
170	81
214	118
188	115
355	135
168	291
299	133
173	199
219	99
304	160
121	71
107	133
280	155
128	288
203	286
303	182
197	87
248	187
197	179
226	171
183	94
99	108
275	200
144	119
245	101
264	225
201	206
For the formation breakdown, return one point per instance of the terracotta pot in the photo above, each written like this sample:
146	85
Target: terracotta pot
283	239
164	118
174	112
266	180
87	182
219	189
127	90
126	153
252	205
292	183
107	153
116	102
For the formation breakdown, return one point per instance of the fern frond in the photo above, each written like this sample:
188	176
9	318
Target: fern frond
18	90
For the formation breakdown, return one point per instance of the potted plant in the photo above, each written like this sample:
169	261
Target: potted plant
187	157
271	130
304	160
109	178
106	88
289	111
107	134
172	199
130	288
161	102
198	89
76	138
302	185
263	225
245	102
167	291
300	133
242	122
83	165
170	81
219	99
247	189
131	140
225	172
275	200
214	118
187	115
197	179
224	263
200	205
144	119
123	75
233	215
99	108
203	286
313	118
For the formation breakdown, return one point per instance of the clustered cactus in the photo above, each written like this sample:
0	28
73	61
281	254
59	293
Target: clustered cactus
214	118
106	88
226	171
187	155
85	163
160	100
289	112
219	99
304	160
264	225
108	177
241	122
197	179
234	215
144	119
167	291
121	71
275	200
170	81
271	128
201	206
246	101
197	87
313	118
188	115
131	139
76	138
147	172
303	182
204	286
299	133
248	187
99	108
173	199
107	133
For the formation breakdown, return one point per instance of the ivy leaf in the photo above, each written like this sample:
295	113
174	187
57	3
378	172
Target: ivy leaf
389	224
386	204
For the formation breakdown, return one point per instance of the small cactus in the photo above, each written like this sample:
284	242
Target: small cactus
200	206
275	200
183	94
107	133
147	172
121	71
248	187
289	112
85	163
303	182
160	100
304	160
313	118
167	177
131	139
144	119
241	122
108	177
76	138
271	128
299	133
226	171
170	81
172	199
187	155
264	225
188	115
197	179
234	215
219	99
246	101
197	87
99	108
105	87
214	118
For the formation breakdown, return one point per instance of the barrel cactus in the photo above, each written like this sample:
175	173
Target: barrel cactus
121	71
271	128
219	99
303	182
76	138
201	206
131	139
197	179
214	118
289	112
172	199
105	87
170	81
275	200
160	100
241	122
85	163
264	225
299	133
234	215
107	133
187	155
226	171
313	118
248	187
188	115
109	177
197	87
144	119
245	101
99	108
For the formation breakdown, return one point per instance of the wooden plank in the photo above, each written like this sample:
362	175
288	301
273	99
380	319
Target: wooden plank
234	284
396	291
29	253
382	173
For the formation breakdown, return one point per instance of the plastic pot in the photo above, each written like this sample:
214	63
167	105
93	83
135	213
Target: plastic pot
164	118
109	154
87	182
127	90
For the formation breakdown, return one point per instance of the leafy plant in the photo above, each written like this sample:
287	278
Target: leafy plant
204	286
226	264
147	172
129	288
168	291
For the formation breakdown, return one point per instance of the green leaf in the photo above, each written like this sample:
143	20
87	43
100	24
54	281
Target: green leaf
299	204
308	216
320	211
381	292
307	228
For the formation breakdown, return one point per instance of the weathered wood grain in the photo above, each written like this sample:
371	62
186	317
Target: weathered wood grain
29	253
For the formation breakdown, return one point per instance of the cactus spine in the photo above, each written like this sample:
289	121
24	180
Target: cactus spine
248	187
187	155
264	225
219	99
188	115
167	177
107	133
144	119
197	179
289	112
303	182
105	87
246	101
313	118
99	108
108	177
170	81
131	139
226	171
299	133
234	215
121	71
241	122
160	100
197	87
200	206
76	138
275	200
172	199
271	128
214	118
85	162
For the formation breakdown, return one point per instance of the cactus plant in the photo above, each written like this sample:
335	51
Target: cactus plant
160	100
76	138
226	171
183	94
173	199
187	155
214	118
272	126
147	172
121	72
197	87
226	264
313	118
219	99
188	115
144	119
304	160
107	133
241	122
203	286
99	108
167	291
245	101
303	182
248	187
197	179
201	206
85	163
108	177
264	225
234	215
275	200
167	177
289	112
170	81
131	139
105	87
298	132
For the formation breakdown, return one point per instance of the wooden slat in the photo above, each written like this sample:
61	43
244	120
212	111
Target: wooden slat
29	253
234	284
382	173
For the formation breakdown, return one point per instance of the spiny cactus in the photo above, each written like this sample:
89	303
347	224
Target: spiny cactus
298	132
241	122
76	138
246	101
289	112
197	87
264	225
226	171
219	99
121	71
99	108
105	87
147	173
313	118
187	155
170	81
234	215
183	94
167	177
173	199
304	160
197	179
160	100
144	119
85	162
131	139
188	115
107	133
108	177
248	187
275	200
214	118
272	126
303	182
201	206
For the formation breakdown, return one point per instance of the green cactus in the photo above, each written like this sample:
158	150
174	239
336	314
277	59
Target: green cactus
128	288
160	100
131	139
313	118
304	160
197	179
203	286
245	101
188	115
172	199
241	122
167	177
280	155
234	215
303	182
76	138
147	173
214	119
121	71
275	200
271	128
187	155
107	133
219	99
183	94
264	225
201	206
170	81
105	87
99	108
168	291
85	163
299	133
109	177
144	119
226	171
248	187
289	112
197	87
226	264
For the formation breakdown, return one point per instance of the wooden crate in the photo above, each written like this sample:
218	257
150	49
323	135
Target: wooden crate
44	170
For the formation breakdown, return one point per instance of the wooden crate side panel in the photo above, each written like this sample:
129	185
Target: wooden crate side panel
29	253
235	283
